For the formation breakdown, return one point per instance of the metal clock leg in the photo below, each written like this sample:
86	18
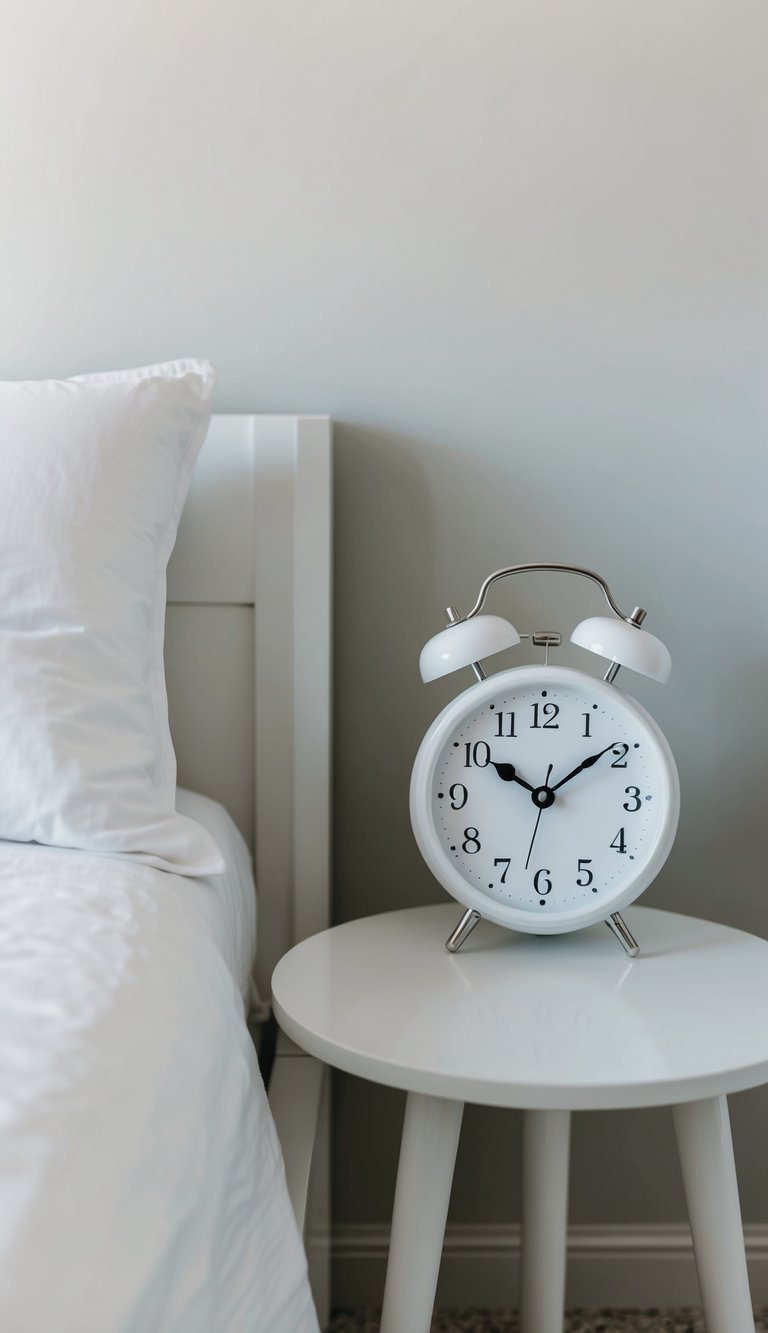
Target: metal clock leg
618	926
546	1143
424	1177
464	928
706	1156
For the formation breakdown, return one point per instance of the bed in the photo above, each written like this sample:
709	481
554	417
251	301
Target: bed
143	1184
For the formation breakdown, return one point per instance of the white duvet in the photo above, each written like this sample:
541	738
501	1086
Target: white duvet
141	1182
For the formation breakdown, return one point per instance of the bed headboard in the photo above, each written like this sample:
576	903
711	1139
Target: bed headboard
248	657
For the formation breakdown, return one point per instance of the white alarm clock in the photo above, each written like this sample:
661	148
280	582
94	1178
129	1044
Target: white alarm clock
542	798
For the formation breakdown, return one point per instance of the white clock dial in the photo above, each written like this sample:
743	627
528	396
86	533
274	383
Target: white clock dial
544	799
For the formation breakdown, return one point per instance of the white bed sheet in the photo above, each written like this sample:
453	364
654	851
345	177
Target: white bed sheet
227	902
141	1181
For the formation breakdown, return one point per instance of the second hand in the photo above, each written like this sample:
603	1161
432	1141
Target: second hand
538	817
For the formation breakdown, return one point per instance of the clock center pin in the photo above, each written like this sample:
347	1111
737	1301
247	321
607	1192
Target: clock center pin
543	797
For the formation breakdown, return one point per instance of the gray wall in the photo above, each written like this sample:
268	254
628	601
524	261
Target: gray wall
517	248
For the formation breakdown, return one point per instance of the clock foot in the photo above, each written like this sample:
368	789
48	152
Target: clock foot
623	934
464	928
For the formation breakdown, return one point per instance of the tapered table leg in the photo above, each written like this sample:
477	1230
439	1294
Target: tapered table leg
546	1143
706	1156
424	1177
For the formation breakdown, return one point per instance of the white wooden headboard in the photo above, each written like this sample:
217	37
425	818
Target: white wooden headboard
248	657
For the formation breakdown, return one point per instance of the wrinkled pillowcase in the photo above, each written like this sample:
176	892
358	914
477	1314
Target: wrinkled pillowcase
94	472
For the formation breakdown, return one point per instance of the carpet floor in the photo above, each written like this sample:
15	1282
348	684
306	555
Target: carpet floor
576	1321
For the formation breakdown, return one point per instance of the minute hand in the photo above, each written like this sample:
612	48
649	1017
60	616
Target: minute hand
593	758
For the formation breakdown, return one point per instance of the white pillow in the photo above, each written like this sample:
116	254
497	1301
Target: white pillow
94	472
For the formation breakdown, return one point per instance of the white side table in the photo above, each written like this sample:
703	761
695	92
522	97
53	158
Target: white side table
550	1025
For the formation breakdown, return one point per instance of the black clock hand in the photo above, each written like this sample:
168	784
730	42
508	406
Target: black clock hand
508	773
542	807
593	758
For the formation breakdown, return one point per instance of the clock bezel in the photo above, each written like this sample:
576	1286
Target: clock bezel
431	845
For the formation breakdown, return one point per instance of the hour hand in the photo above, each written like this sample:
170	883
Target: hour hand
508	773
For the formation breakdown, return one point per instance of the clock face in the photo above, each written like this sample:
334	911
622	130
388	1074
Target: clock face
544	799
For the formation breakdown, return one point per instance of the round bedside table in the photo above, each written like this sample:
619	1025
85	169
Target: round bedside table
549	1025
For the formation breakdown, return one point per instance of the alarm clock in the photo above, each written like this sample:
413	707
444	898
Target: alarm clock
544	798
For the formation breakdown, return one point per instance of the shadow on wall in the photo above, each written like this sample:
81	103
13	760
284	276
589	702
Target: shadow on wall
384	563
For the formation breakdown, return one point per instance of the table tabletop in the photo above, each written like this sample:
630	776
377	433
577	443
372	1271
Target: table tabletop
550	1022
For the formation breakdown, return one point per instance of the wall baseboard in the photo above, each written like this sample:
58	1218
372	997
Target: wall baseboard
622	1266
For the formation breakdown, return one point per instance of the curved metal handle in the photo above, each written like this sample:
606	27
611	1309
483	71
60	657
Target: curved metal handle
636	618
